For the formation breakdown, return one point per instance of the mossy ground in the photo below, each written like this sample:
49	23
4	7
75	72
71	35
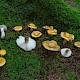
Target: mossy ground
38	64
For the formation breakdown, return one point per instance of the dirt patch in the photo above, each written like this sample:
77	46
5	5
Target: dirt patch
56	68
71	3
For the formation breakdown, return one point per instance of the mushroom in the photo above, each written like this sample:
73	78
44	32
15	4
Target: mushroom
67	36
51	45
36	34
66	52
52	32
48	27
17	28
2	52
2	29
2	61
32	26
26	43
77	44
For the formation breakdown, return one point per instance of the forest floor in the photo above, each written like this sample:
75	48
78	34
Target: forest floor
39	64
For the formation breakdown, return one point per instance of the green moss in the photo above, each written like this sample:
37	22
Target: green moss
72	76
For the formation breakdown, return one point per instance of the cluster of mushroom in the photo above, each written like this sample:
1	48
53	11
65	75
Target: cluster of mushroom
70	37
66	52
35	33
50	30
2	60
52	45
27	43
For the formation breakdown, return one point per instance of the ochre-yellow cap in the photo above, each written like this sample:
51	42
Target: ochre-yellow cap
17	28
51	45
36	34
2	52
52	32
67	36
48	27
32	26
77	44
2	61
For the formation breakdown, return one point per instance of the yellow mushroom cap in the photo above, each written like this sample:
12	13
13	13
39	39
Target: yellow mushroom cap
67	36
32	26
2	61
52	32
17	28
2	52
48	27
51	45
77	44
36	34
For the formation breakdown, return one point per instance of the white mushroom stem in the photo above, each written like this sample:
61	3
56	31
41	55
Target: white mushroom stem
2	33
64	41
2	29
66	51
26	39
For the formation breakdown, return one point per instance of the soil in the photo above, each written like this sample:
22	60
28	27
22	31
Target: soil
52	70
70	2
